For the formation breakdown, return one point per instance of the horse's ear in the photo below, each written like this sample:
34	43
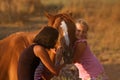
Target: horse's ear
48	15
70	13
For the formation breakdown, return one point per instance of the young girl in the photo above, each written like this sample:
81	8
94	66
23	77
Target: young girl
37	54
88	65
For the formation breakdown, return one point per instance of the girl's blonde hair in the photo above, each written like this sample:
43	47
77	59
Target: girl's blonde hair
83	23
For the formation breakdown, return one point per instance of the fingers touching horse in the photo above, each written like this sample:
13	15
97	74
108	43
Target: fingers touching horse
13	45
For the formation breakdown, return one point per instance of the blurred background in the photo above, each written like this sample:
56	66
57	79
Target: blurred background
103	17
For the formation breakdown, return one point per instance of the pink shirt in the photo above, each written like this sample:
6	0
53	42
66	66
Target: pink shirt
89	66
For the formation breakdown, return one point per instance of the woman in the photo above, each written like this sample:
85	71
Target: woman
37	54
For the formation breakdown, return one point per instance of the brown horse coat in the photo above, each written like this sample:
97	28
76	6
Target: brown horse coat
10	49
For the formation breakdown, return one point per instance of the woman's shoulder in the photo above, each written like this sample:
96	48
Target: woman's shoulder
38	48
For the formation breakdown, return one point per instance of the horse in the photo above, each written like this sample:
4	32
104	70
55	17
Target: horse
12	46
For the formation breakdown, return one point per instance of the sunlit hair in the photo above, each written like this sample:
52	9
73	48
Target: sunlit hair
47	37
83	23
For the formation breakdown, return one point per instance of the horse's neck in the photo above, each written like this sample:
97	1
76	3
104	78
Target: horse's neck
30	36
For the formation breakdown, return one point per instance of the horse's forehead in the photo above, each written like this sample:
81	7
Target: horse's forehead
65	32
63	16
60	20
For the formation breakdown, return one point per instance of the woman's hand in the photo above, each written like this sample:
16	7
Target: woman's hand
59	55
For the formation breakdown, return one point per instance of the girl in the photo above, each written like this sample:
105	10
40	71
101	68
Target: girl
37	54
88	65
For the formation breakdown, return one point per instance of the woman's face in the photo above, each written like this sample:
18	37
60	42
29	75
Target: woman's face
80	31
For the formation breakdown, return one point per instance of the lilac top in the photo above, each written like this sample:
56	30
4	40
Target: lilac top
89	66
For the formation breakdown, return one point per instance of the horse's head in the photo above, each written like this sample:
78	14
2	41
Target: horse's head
65	25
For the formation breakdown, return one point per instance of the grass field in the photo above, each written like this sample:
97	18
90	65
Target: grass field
103	17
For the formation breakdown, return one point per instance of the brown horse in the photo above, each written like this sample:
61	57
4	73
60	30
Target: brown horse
13	45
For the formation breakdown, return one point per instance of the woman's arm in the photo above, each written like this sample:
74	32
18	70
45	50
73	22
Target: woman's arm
44	57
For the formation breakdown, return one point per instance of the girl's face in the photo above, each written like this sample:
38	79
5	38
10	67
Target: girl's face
81	32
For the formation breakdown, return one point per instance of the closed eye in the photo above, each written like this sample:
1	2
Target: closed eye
81	31
78	30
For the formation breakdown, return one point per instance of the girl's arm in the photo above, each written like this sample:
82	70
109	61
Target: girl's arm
79	50
44	57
